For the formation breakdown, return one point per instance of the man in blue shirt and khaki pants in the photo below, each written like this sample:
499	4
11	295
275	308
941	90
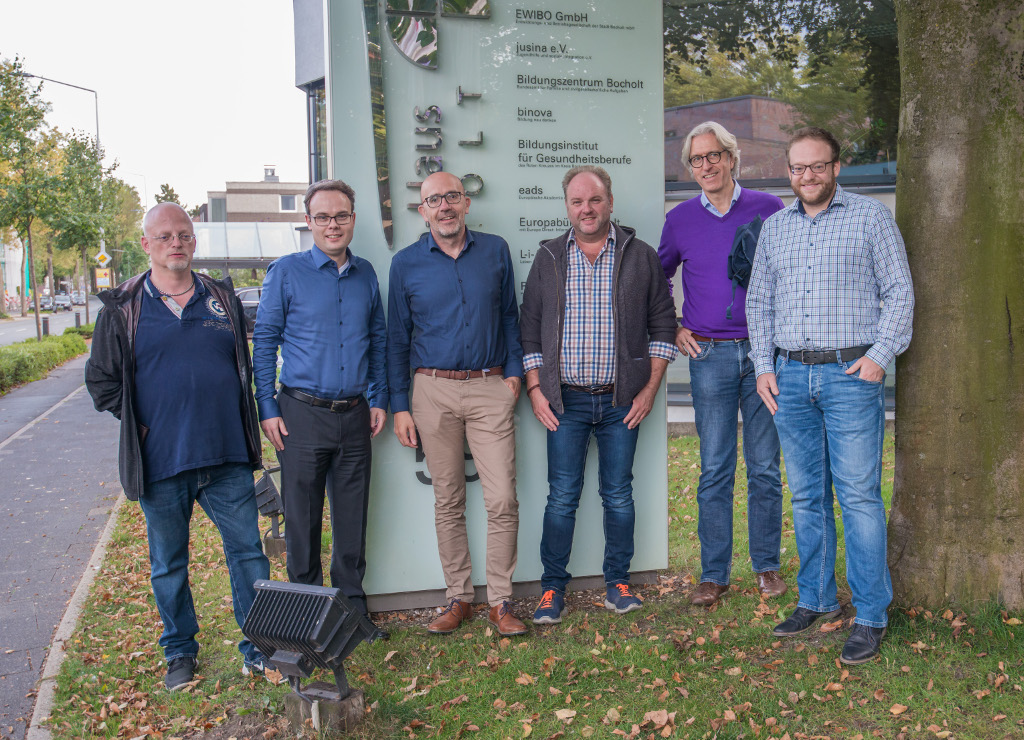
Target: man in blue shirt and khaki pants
453	320
323	309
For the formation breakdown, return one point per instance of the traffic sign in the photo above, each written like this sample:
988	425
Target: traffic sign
103	258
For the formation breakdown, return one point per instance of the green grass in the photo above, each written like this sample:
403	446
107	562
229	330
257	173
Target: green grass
669	670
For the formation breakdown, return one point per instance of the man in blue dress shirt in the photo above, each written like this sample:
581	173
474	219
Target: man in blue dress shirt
453	320
323	309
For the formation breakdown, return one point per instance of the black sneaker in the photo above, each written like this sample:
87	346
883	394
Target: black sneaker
862	645
801	620
180	672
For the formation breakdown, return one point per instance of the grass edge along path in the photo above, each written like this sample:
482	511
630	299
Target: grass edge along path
669	670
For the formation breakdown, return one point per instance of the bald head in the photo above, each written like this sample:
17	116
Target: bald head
446	219
163	210
440	182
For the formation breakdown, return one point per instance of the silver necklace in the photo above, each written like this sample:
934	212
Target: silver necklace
175	295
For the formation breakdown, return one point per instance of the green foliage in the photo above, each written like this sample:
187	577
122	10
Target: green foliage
31	359
28	163
843	54
84	331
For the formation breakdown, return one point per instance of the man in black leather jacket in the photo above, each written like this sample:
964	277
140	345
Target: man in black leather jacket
170	360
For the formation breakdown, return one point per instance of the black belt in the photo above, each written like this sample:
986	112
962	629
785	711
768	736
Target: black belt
822	357
593	390
335	405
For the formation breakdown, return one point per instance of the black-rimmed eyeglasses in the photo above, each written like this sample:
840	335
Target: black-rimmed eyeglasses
435	200
322	219
698	159
817	168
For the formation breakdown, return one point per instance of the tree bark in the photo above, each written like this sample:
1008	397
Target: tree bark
956	529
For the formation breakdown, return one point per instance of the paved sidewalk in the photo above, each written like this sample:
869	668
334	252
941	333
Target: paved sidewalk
58	483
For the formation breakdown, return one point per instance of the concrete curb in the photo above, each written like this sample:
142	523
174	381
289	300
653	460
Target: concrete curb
55	658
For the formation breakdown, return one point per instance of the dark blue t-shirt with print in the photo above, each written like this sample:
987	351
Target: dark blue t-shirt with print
188	393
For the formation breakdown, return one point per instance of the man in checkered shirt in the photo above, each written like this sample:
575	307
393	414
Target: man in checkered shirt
599	330
831	290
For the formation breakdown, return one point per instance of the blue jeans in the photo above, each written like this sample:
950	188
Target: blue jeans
227	496
723	383
831	426
584	415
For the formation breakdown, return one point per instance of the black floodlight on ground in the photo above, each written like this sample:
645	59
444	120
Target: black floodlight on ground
269	500
300	627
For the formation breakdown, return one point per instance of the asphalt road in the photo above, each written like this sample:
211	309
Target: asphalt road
20	329
58	482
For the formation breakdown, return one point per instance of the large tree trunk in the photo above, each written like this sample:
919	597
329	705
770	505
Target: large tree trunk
956	531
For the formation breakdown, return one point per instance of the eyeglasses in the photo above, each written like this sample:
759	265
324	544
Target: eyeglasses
698	159
322	219
817	168
183	238
435	200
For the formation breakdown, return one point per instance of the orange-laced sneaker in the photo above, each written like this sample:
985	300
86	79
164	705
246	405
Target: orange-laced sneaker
551	608
619	599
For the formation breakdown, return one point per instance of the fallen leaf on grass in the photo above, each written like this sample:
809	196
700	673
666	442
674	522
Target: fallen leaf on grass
897	709
565	715
452	702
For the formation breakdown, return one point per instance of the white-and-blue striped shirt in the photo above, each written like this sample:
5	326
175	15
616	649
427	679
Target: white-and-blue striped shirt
837	280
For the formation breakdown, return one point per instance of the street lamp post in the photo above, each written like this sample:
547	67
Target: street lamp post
99	155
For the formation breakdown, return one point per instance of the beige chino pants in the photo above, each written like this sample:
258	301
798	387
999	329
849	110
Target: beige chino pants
448	413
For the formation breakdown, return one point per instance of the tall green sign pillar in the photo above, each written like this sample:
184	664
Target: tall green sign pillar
508	96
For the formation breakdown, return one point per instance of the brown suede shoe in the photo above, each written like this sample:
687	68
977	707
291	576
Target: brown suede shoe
503	620
770	584
454	614
707	594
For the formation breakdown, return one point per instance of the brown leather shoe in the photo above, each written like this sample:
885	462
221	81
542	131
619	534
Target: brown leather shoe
454	614
707	594
503	620
770	584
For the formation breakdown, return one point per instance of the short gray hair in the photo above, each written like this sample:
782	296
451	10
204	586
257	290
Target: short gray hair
725	140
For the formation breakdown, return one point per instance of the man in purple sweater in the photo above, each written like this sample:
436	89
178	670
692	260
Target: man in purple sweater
698	235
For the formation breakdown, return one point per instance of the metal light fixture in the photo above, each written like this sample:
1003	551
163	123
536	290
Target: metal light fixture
300	627
268	499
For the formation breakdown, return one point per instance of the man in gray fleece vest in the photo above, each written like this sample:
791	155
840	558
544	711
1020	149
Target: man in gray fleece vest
598	327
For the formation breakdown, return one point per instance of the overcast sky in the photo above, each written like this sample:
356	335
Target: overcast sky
192	93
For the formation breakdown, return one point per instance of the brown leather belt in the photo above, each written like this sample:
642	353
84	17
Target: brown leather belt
699	338
335	405
593	390
460	374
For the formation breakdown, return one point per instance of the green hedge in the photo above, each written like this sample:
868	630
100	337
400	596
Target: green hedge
31	360
84	331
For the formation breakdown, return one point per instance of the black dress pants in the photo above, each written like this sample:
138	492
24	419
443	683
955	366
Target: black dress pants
331	451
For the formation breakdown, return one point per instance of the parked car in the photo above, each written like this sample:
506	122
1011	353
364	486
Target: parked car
62	303
78	298
46	303
250	298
